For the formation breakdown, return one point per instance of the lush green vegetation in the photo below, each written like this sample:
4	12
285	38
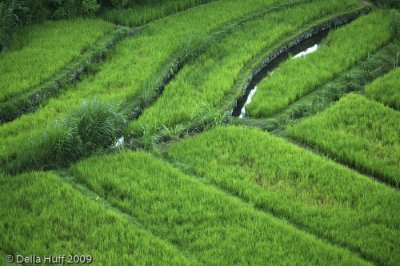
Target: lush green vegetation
354	80
41	215
207	80
386	89
315	193
37	52
152	51
94	127
359	132
141	14
230	195
340	51
200	219
25	12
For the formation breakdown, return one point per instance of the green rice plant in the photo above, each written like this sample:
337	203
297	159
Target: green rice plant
209	78
359	132
215	228
43	216
341	50
137	65
91	128
140	14
386	89
37	52
312	192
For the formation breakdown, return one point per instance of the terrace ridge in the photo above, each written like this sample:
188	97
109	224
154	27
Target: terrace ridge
28	102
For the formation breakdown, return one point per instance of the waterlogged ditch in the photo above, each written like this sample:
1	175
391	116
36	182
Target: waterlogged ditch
301	49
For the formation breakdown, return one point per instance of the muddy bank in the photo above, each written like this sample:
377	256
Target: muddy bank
296	46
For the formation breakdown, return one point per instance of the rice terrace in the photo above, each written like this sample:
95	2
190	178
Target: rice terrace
200	132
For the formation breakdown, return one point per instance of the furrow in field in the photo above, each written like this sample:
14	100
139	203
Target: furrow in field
204	82
354	80
135	66
214	227
358	132
340	51
312	192
43	216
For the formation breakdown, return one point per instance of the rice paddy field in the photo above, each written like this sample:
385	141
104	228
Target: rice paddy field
218	132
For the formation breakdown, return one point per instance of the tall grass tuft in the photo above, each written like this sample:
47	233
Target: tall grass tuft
91	128
97	124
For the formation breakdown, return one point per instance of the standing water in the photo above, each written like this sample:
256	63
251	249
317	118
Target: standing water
243	111
257	80
309	50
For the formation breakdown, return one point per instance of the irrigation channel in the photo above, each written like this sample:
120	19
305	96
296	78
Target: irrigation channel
302	48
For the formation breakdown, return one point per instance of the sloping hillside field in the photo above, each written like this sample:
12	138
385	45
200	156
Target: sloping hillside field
200	132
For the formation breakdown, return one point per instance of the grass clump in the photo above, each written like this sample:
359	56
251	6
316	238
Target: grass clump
359	132
92	128
215	228
314	193
43	216
210	77
341	50
386	89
